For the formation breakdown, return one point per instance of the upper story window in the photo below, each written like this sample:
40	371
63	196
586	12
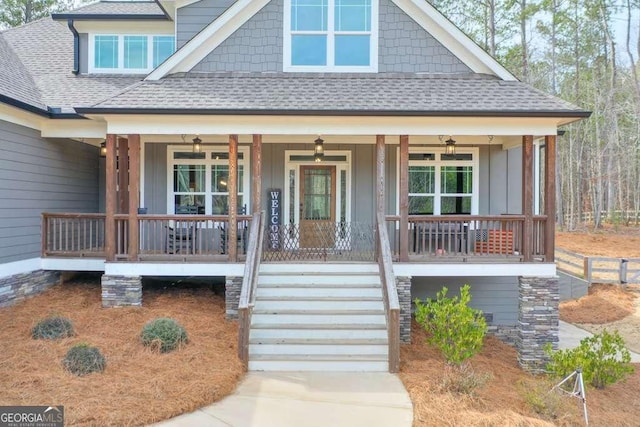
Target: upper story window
120	53
331	35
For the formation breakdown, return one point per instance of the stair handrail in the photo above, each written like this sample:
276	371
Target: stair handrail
390	294
249	284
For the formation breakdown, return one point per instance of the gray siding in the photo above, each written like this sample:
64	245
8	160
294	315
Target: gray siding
495	295
155	178
38	175
404	46
193	18
84	53
500	180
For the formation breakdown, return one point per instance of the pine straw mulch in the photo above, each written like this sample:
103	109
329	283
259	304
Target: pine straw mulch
138	386
501	402
603	304
609	241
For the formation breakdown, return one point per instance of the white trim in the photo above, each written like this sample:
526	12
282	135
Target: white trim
19	267
20	117
331	33
91	68
471	269
73	129
73	264
196	49
452	38
184	3
173	269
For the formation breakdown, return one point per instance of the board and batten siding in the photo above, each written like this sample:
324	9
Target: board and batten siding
39	175
493	295
257	46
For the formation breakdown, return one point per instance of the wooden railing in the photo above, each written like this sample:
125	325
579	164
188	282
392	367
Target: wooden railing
467	238
390	295
249	283
71	234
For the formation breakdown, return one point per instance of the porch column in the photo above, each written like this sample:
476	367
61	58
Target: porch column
550	197
123	175
134	196
232	185
256	162
380	153
404	198
527	197
111	199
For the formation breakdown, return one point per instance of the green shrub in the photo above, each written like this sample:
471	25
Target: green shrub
455	328
604	360
81	359
52	328
163	335
550	405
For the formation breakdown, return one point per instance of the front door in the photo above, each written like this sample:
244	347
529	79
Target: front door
317	206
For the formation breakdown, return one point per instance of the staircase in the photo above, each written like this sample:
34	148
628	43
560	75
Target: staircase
318	317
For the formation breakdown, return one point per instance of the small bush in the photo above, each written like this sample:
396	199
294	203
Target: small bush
604	360
455	328
81	359
163	335
463	379
550	405
52	328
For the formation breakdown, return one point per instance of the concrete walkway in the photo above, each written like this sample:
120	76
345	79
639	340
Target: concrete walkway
309	399
570	336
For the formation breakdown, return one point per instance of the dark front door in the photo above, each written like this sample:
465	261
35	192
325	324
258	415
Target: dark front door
317	206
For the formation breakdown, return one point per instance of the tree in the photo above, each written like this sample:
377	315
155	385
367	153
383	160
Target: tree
14	13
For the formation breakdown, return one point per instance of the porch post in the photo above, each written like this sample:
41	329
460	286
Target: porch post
256	162
527	197
123	175
380	153
404	198
232	185
550	197
134	195
111	200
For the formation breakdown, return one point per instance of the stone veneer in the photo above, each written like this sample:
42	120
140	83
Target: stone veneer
121	291
506	334
20	286
538	320
403	285
232	289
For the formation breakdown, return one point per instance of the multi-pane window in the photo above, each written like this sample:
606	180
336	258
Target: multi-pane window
338	35
129	53
200	181
441	184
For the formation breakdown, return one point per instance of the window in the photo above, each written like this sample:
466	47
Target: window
331	35
128	53
441	184
199	181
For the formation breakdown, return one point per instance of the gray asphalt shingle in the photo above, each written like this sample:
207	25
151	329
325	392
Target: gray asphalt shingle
118	8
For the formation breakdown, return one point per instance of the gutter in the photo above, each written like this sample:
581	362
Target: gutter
108	17
50	113
362	113
76	47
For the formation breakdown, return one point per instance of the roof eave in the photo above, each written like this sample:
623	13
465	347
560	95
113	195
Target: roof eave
109	17
24	106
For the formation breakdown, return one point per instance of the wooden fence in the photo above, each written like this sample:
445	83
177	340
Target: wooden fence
599	269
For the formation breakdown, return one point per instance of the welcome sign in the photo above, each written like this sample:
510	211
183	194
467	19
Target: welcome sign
275	211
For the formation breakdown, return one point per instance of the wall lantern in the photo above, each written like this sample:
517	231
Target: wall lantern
318	150
450	147
103	149
197	145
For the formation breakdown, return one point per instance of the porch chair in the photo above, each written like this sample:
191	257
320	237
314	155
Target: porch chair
241	236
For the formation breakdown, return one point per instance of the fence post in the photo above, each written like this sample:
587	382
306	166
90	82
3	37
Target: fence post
587	270
623	271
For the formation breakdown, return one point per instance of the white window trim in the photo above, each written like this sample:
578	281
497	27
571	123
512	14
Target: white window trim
475	163
295	165
245	162
330	67
91	68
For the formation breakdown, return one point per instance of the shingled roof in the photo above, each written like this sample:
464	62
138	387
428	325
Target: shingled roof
411	94
115	9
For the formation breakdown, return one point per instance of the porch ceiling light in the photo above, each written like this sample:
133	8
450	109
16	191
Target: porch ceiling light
318	150
103	149
197	145
450	147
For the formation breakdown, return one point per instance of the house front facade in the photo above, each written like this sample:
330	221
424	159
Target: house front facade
364	142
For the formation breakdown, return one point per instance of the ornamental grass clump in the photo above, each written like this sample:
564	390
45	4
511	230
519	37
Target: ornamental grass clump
82	359
163	335
52	328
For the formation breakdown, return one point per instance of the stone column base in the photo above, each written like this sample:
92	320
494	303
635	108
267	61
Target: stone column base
232	289
121	291
538	320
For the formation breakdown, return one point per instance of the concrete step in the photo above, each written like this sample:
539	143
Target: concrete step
319	268
319	279
320	341
326	363
318	319
312	292
330	286
318	349
315	306
299	315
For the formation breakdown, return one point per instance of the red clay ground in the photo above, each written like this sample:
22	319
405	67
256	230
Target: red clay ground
138	386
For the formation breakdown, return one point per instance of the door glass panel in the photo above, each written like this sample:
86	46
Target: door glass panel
292	195
317	194
188	178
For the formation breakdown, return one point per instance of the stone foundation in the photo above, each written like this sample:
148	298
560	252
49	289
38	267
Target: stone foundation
403	285
20	286
506	334
232	289
121	291
537	320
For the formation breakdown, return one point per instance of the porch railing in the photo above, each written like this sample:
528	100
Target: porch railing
467	238
390	294
73	234
249	284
